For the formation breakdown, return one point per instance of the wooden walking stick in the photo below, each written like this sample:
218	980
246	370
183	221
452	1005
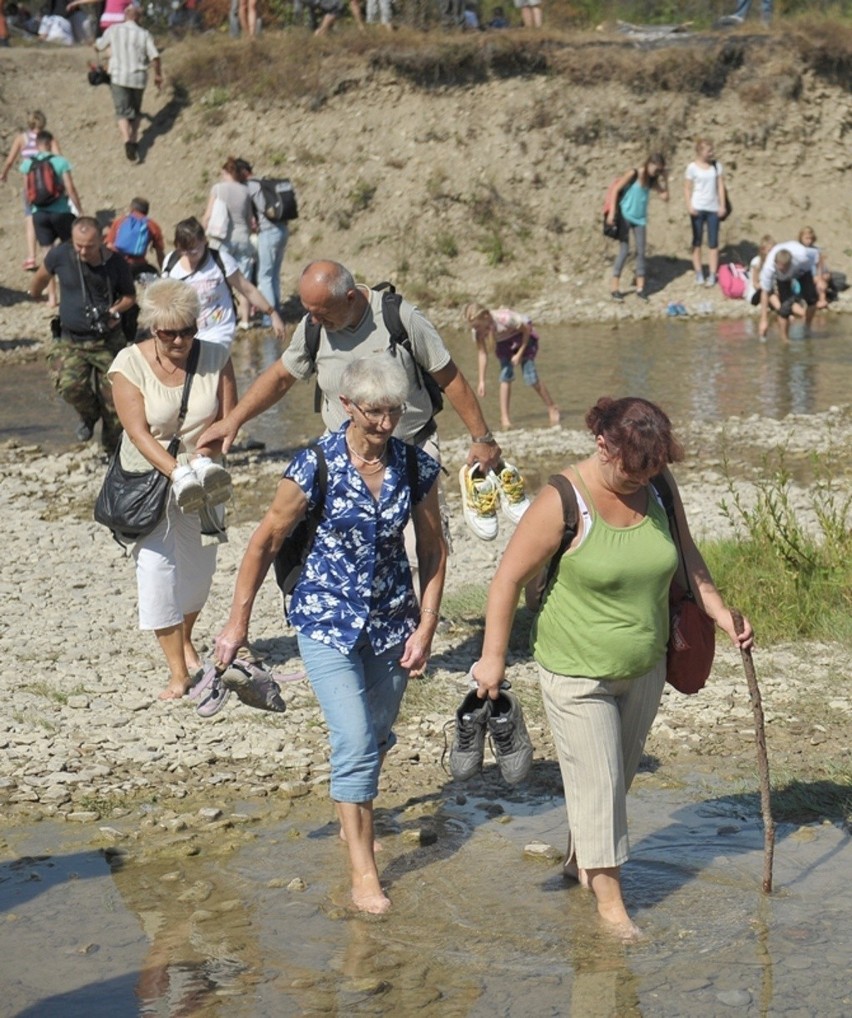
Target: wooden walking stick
762	759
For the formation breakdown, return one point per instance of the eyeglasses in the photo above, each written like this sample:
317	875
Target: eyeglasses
375	415
170	335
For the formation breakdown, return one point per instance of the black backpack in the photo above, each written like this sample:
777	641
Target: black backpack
173	258
279	200
293	553
391	301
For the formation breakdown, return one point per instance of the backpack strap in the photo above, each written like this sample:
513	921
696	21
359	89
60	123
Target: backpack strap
220	265
570	520
170	263
412	471
663	489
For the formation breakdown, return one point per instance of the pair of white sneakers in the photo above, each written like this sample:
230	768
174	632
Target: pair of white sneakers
200	482
482	493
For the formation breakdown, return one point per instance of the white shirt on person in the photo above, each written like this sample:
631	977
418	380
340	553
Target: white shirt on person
217	322
804	260
705	186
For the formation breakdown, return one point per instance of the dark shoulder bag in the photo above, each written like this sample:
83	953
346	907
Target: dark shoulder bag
692	633
131	503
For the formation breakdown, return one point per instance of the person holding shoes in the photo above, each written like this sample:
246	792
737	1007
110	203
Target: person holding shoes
632	215
360	628
600	636
176	561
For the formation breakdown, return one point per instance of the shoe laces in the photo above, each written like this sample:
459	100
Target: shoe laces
502	733
513	485
482	496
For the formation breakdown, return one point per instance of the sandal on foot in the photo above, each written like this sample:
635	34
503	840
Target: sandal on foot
29	265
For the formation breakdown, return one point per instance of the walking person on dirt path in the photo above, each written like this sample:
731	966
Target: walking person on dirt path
635	187
25	147
132	51
601	634
53	215
361	628
96	286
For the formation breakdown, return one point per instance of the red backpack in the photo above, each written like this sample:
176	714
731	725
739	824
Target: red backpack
733	280
44	185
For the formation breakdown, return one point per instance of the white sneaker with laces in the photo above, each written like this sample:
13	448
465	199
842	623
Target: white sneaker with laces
187	488
479	501
510	488
214	479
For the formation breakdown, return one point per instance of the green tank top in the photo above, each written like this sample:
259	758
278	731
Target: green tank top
607	615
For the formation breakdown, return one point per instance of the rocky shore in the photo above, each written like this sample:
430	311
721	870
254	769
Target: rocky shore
83	736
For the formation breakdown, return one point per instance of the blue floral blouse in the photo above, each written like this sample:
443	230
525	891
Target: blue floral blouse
357	578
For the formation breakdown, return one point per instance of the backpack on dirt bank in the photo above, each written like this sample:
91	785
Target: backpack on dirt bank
279	200
733	280
133	236
43	184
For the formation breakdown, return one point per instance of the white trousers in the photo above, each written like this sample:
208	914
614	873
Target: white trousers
599	728
174	571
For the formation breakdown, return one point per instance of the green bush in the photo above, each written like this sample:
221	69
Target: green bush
792	573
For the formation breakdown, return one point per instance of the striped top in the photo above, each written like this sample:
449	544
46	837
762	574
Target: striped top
131	51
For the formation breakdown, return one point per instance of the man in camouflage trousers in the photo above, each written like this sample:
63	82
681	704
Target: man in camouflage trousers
96	286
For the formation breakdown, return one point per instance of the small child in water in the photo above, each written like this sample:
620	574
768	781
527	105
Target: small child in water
515	342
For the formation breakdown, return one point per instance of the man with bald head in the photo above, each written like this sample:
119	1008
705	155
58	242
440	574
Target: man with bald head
349	315
96	286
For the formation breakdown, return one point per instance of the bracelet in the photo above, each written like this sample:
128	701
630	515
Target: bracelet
430	611
486	439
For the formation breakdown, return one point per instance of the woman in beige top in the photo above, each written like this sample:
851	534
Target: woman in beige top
176	561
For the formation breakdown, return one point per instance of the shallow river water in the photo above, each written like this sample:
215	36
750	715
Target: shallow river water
696	369
477	927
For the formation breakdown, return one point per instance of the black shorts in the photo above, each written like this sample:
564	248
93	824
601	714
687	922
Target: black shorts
807	292
52	226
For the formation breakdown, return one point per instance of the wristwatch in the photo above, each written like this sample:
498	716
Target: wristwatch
486	439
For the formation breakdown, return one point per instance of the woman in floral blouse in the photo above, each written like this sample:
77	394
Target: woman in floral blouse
360	627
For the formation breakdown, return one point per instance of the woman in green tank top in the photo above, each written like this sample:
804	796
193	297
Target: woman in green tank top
600	638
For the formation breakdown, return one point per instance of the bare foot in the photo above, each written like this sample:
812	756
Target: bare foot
618	922
505	424
175	690
374	904
554	416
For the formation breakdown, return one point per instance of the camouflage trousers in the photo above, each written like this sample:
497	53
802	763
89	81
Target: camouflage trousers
79	372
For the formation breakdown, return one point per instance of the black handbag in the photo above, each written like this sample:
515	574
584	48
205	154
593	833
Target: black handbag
131	503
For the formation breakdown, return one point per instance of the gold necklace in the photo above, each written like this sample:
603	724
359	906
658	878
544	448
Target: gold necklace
175	367
363	459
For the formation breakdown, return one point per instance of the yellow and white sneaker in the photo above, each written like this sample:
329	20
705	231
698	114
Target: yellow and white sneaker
511	491
479	501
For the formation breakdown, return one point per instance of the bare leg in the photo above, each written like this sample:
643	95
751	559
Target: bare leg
29	231
172	645
536	16
125	129
640	284
357	13
505	395
356	821
606	885
696	260
190	654
809	317
713	260
552	408
325	25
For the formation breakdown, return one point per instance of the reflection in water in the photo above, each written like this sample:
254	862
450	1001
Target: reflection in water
695	368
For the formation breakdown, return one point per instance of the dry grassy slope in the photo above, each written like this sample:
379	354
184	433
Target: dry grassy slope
490	191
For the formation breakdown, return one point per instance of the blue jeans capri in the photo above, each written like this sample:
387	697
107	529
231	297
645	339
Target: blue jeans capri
712	221
360	693
507	370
